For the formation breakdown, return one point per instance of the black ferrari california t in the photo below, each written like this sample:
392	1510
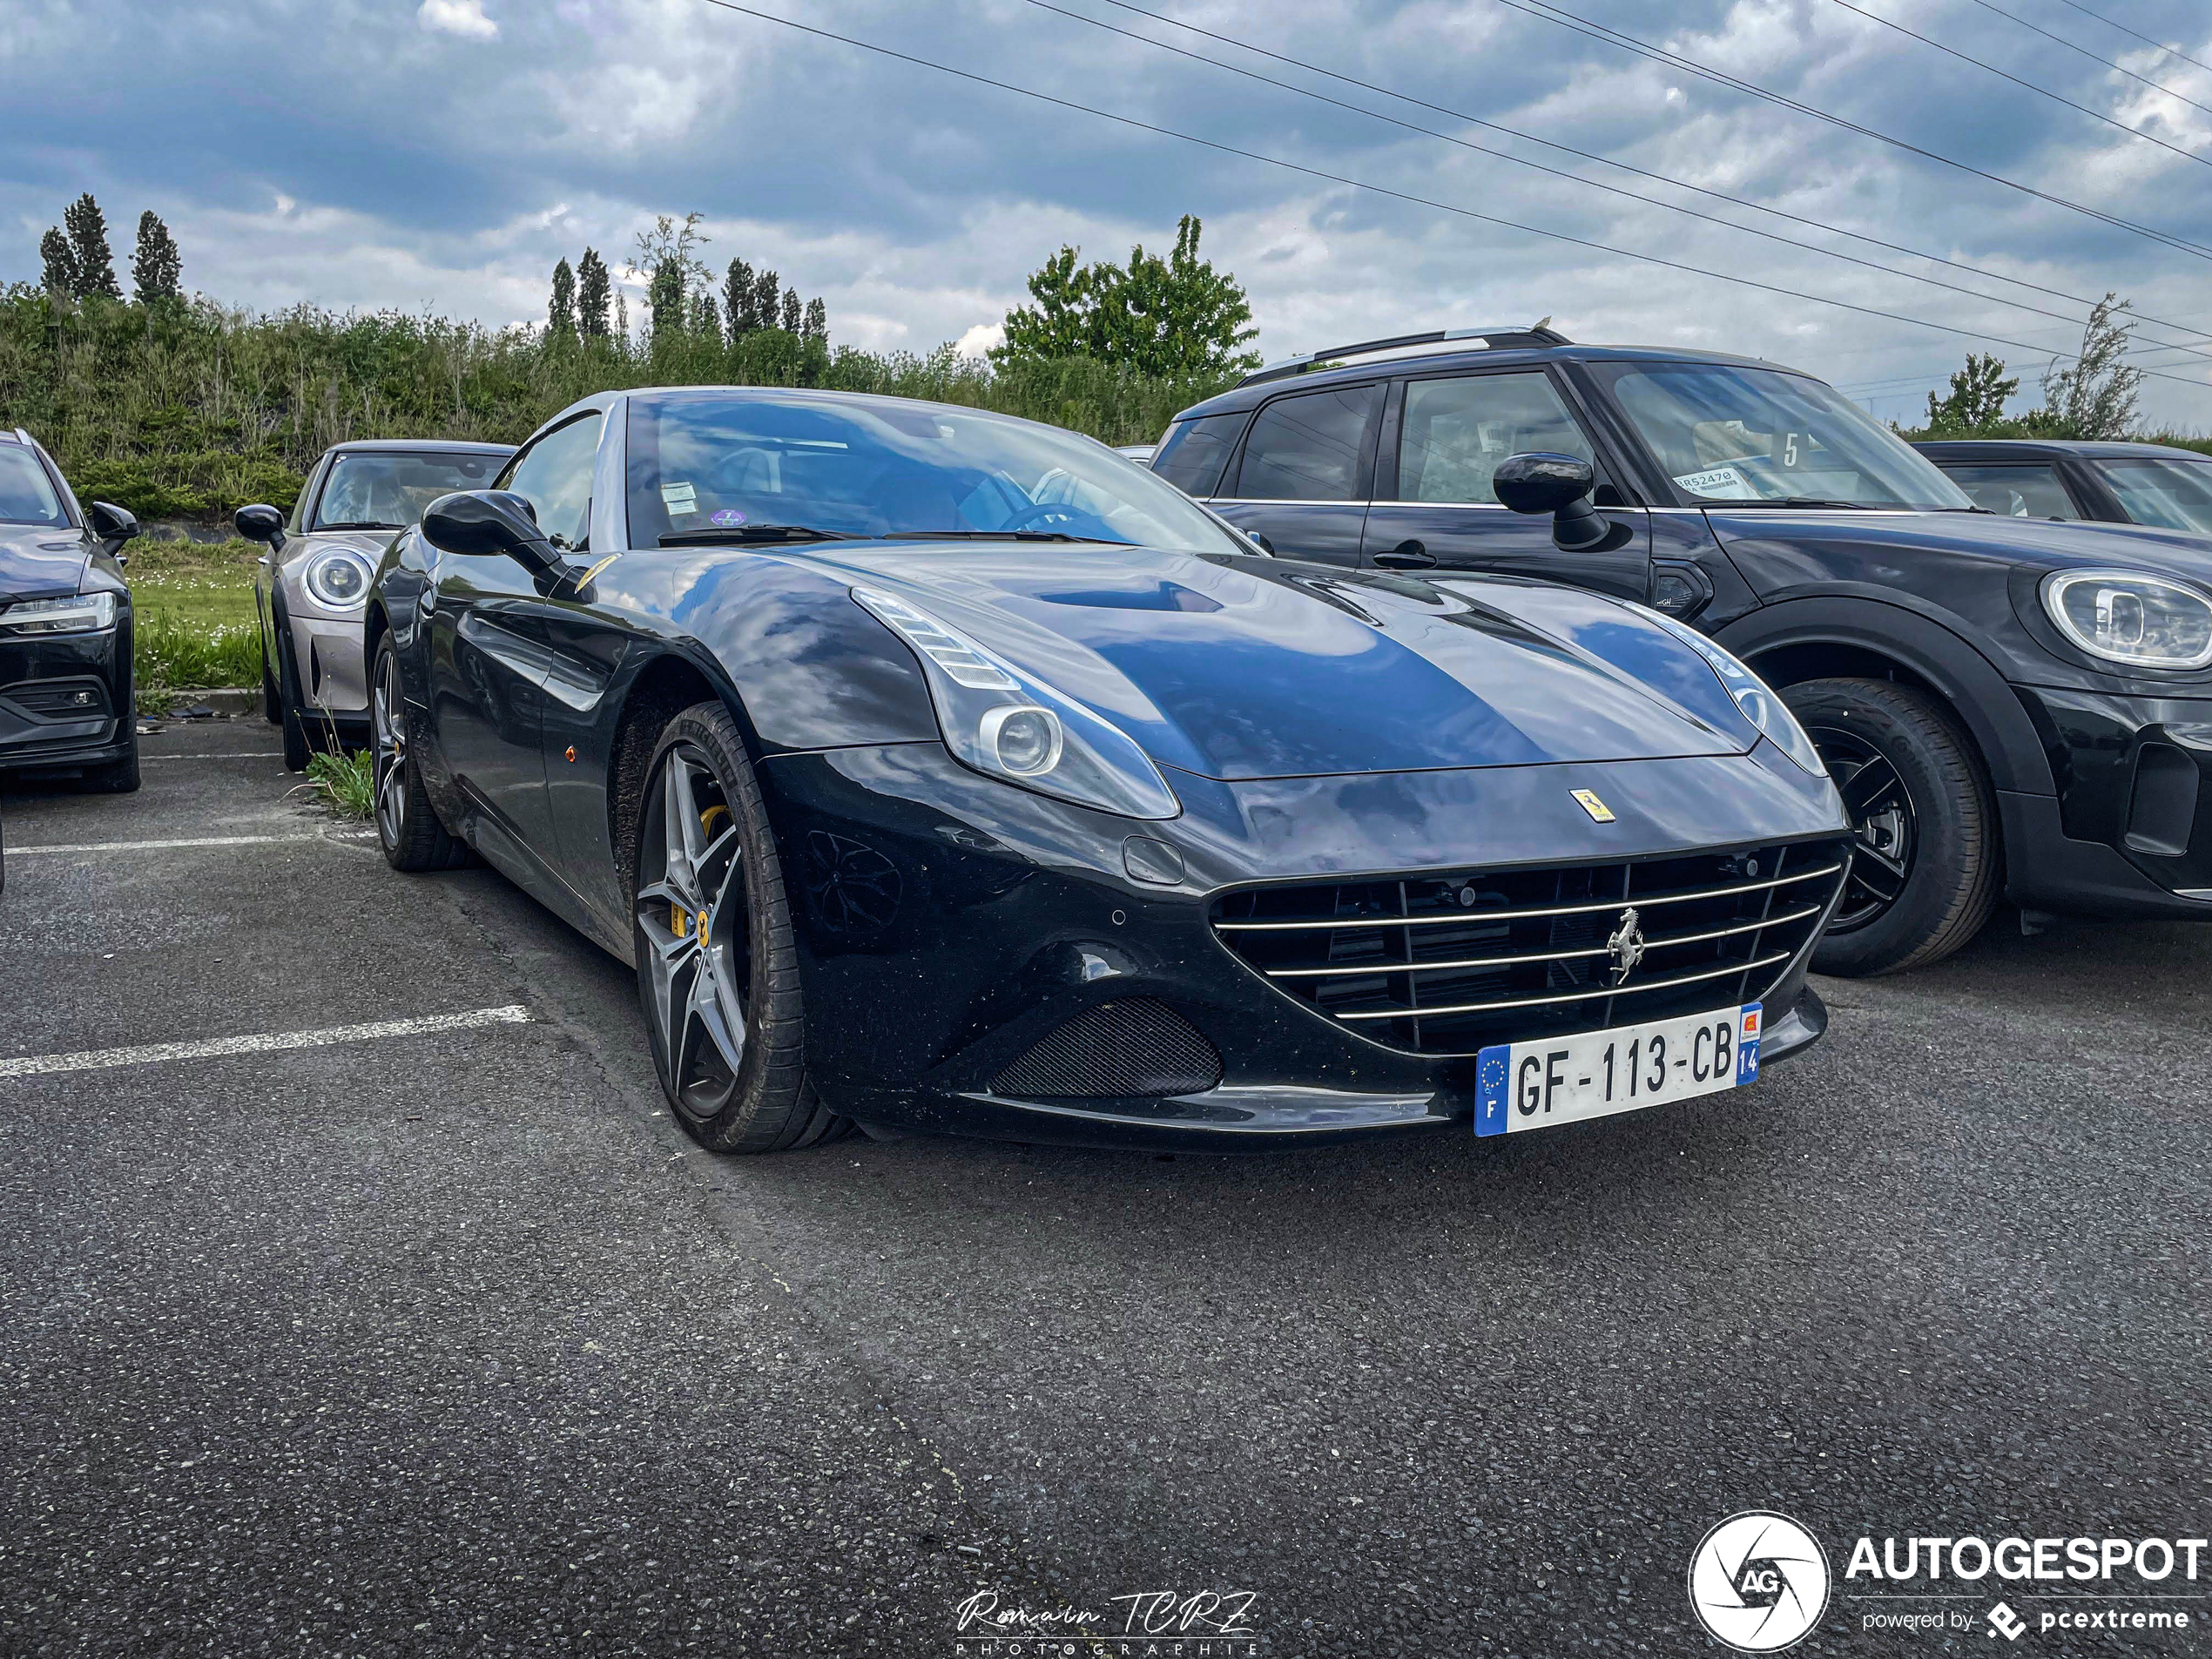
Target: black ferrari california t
946	771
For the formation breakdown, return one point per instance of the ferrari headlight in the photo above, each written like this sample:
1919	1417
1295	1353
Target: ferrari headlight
2126	617
1753	695
338	579
1001	721
81	613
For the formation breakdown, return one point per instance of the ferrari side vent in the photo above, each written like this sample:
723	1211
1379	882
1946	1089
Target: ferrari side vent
1139	1047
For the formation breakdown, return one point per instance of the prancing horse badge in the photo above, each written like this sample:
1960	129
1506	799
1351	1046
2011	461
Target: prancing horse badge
1587	800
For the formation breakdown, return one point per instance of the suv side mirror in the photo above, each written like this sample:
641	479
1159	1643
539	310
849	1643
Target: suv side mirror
260	523
112	527
472	522
1560	485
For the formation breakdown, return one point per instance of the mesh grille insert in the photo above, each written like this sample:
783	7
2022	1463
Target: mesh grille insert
1137	1047
1446	961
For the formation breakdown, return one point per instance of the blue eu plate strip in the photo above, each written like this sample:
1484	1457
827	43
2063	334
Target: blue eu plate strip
1490	1075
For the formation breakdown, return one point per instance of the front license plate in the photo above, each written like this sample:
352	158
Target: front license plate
1535	1085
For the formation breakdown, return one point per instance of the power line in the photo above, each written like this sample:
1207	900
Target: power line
2173	52
1558	172
1384	190
2071	47
1586	155
2055	97
1553	13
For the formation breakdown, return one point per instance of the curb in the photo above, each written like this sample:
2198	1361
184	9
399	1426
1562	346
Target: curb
223	702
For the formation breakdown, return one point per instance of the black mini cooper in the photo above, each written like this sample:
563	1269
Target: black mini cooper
2153	484
2011	706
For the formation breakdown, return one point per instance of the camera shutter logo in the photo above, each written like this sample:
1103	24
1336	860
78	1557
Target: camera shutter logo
1759	1582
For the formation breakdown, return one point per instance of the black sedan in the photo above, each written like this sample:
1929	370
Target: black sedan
65	682
943	770
2106	483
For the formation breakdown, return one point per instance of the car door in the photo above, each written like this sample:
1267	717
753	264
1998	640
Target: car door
1434	506
488	656
1301	479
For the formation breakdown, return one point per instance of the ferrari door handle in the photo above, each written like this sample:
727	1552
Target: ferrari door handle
1406	556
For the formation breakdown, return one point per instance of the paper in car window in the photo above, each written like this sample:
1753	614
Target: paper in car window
680	500
1725	482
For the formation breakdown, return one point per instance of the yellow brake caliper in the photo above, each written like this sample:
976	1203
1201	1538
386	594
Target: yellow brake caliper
679	921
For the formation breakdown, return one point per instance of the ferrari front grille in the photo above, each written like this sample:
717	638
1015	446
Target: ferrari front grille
1446	961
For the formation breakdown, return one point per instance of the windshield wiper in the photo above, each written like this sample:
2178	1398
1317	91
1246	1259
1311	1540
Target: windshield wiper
991	536
738	534
357	524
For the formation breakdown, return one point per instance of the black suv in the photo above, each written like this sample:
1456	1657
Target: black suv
2008	704
2108	483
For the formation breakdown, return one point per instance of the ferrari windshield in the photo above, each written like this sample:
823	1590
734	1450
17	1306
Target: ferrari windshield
369	491
2171	494
748	464
1727	433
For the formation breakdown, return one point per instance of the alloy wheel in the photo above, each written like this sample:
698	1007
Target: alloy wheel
690	911
388	732
1885	827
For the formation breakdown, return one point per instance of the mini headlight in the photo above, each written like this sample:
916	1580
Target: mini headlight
81	613
2127	616
1760	705
338	579
1015	727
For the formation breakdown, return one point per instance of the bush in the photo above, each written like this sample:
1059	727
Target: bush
191	409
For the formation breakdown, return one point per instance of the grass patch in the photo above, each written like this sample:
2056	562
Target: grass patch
195	624
345	783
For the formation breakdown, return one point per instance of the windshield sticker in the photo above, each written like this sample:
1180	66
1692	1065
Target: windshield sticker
725	516
681	500
1724	481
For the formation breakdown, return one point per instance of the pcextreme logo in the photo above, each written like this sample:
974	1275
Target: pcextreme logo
1759	1581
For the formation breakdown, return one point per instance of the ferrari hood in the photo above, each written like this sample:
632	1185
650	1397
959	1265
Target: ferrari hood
38	561
1249	668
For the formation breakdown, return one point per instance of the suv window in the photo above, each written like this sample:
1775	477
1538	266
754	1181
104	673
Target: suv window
26	494
1191	455
2025	490
1311	447
1456	431
554	474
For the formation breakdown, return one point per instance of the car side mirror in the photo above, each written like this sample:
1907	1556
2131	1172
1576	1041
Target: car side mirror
111	526
260	522
1540	482
476	521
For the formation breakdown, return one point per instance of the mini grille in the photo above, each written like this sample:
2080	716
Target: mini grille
1138	1048
1444	962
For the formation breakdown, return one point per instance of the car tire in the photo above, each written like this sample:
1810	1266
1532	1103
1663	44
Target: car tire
718	965
118	777
1926	858
297	750
407	828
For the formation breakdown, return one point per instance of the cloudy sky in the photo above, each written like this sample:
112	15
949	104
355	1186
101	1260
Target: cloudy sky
443	154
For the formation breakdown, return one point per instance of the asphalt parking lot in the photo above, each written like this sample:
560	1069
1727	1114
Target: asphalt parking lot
446	1340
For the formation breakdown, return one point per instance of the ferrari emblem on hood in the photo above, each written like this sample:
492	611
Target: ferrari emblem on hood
1587	800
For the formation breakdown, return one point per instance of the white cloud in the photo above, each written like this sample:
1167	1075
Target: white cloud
982	338
462	18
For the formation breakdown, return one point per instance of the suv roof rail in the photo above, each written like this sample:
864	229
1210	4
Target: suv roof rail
23	438
1497	338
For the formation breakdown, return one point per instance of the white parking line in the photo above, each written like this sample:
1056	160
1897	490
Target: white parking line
220	755
267	1042
200	840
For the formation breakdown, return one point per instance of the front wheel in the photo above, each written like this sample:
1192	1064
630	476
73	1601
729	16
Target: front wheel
717	968
407	828
1925	857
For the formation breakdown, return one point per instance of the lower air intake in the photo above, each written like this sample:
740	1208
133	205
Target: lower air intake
1139	1047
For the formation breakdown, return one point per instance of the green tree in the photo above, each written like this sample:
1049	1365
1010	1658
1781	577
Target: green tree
793	317
706	318
87	230
736	300
1978	393
664	297
766	288
59	259
560	314
2096	396
1177	317
816	328
591	287
156	269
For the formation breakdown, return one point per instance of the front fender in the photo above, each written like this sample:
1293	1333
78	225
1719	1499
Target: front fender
1943	654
